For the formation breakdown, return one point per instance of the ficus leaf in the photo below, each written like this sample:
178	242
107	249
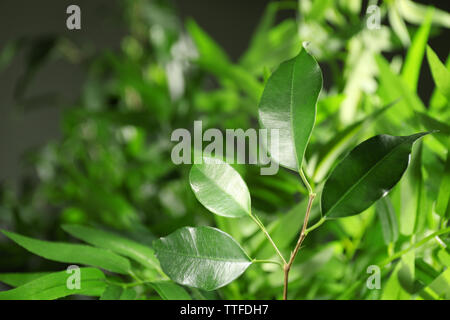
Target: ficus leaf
288	104
54	286
72	253
220	188
202	257
367	173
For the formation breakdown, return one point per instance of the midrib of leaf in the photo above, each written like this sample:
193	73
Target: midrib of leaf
224	191
203	257
291	103
363	177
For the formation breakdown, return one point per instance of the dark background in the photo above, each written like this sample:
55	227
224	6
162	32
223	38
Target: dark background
229	22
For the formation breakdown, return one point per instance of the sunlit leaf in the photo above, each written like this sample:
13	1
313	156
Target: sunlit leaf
288	104
202	257
220	188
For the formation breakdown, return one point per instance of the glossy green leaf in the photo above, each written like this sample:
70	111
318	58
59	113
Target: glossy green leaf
54	286
123	246
169	290
202	257
220	188
366	174
440	73
288	104
72	253
388	220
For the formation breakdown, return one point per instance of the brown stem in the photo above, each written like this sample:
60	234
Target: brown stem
287	266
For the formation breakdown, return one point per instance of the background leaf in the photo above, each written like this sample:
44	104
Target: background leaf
54	286
123	246
72	253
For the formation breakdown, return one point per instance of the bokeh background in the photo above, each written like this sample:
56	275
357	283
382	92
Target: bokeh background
86	118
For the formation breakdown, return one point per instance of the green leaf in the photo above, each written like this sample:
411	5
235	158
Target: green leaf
393	87
18	279
128	294
54	286
123	246
215	60
366	174
220	188
440	287
168	290
412	194
112	292
414	57
288	103
440	73
202	257
443	200
72	253
398	25
388	220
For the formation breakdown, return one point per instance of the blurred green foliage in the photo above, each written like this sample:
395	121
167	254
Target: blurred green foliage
112	168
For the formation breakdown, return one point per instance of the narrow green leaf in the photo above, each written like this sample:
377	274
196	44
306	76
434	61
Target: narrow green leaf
72	253
414	57
414	12
54	286
412	194
366	174
388	220
168	290
215	60
288	104
202	257
18	279
440	73
123	246
220	188
443	200
398	25
393	87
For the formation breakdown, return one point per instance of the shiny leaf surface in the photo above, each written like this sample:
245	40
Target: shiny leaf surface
366	174
202	257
